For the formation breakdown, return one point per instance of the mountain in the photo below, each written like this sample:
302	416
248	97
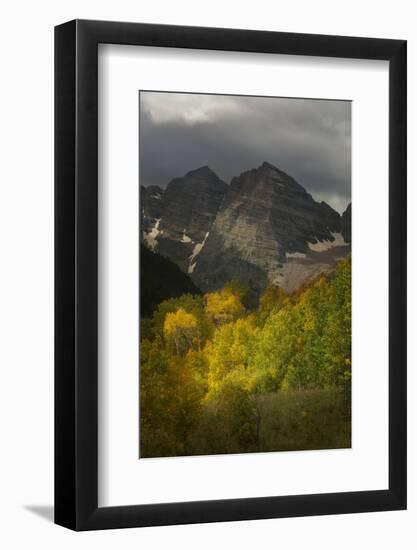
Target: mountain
151	199
262	229
189	207
269	230
160	279
346	224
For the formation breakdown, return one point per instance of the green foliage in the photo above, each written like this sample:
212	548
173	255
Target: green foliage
273	299
170	401
239	422
228	424
216	377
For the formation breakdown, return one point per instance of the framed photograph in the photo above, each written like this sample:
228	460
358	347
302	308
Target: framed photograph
230	252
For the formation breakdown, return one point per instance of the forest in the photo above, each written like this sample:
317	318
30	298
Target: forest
219	374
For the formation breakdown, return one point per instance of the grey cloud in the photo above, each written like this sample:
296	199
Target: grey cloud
308	139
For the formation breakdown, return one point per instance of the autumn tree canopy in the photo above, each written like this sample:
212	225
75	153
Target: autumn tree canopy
215	374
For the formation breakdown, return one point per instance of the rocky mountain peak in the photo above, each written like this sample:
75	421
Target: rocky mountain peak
268	165
263	228
267	222
190	205
281	177
196	181
267	178
203	171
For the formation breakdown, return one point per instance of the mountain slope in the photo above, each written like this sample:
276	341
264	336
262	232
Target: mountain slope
160	279
151	199
263	228
346	223
269	230
188	209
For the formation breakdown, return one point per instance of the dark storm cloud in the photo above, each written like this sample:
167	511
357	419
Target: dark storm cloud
308	139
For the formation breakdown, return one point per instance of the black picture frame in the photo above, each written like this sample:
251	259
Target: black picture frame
76	272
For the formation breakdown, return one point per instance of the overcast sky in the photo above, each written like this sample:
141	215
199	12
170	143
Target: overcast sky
308	139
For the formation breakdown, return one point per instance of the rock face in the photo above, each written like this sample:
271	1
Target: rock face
189	208
267	223
262	229
346	224
191	204
151	199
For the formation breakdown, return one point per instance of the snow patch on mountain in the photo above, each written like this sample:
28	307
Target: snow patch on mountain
196	251
185	238
151	237
321	246
191	267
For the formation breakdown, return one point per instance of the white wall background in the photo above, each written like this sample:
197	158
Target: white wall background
26	289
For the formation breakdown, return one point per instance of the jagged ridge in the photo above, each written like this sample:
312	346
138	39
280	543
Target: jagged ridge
264	228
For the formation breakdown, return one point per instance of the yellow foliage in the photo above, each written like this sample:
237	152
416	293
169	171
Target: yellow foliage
209	358
273	297
229	352
180	320
181	328
224	305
